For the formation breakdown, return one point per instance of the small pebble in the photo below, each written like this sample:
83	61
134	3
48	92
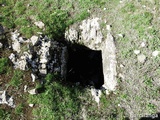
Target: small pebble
143	44
33	91
155	53
25	88
121	65
108	27
120	35
136	52
141	58
31	105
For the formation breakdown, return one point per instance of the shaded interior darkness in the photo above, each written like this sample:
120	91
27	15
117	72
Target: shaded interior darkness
84	66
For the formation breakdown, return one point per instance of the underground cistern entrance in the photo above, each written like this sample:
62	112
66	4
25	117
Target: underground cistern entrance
84	66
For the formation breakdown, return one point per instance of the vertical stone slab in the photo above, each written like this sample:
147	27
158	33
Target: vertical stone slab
109	64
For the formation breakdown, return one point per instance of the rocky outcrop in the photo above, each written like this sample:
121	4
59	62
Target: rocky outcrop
41	54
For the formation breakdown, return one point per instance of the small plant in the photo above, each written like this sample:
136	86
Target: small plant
3	65
148	82
4	115
130	7
19	109
151	108
16	79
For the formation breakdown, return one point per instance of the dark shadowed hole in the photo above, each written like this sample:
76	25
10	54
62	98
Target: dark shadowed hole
84	66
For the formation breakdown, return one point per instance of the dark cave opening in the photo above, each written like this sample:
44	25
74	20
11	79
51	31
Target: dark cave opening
84	66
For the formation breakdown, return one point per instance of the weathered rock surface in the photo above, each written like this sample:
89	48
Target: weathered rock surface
34	39
5	99
155	53
39	24
39	53
15	41
141	58
33	91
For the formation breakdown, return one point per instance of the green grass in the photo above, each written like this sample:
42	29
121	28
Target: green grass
19	109
16	79
3	65
4	115
60	101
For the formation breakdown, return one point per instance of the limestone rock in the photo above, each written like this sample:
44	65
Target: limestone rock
96	94
32	91
136	52
34	40
15	41
109	64
25	88
155	53
39	24
143	44
141	58
33	77
5	99
31	105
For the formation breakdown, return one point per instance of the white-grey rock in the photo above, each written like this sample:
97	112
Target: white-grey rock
141	58
122	66
43	66
43	71
21	40
25	88
39	24
22	64
108	27
34	39
136	52
44	55
33	77
120	35
143	44
15	41
31	105
12	57
96	94
1	45
109	64
121	76
5	99
155	53
33	91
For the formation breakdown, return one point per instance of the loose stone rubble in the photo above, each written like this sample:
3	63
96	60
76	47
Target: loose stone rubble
42	55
